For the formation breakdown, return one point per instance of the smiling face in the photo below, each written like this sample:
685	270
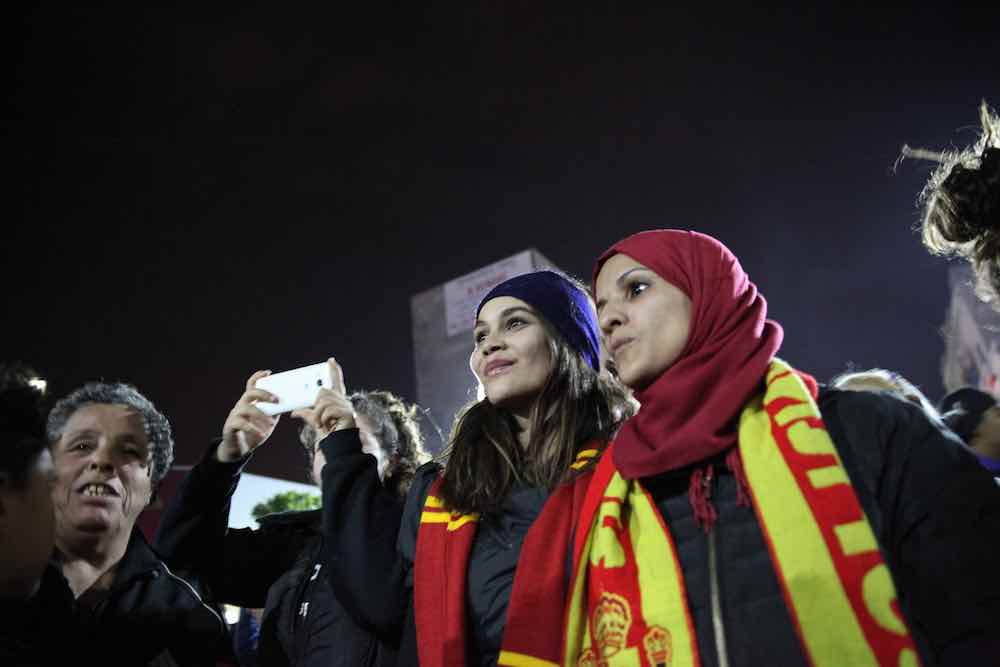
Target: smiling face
645	321
512	359
103	466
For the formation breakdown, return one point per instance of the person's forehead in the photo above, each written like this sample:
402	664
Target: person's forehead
615	267
495	307
107	419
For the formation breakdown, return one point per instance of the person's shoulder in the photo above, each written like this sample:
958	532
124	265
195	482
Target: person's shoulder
416	498
861	401
874	410
427	473
423	478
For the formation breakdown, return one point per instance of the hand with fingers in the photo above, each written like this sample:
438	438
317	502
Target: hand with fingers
247	427
333	410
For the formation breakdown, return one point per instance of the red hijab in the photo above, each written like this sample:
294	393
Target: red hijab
689	413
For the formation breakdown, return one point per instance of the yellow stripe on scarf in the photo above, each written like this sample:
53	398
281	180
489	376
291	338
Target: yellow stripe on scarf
669	636
435	512
840	592
583	457
829	625
512	659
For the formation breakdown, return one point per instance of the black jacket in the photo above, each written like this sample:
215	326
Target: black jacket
277	567
148	616
26	625
373	541
935	511
151	613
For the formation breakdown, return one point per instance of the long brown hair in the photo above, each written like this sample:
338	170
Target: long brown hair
574	407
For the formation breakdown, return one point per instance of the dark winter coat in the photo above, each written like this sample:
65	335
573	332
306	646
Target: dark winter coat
277	567
148	616
364	526
935	511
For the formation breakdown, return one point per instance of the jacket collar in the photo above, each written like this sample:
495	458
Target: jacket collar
139	560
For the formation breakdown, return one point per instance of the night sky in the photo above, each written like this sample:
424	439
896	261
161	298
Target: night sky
208	192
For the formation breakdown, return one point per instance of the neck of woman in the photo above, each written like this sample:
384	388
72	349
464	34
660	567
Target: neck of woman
522	420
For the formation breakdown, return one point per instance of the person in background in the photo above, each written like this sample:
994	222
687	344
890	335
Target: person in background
278	567
744	517
975	416
246	636
879	379
961	204
111	448
34	597
442	576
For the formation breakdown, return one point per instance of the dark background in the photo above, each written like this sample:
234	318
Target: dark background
210	191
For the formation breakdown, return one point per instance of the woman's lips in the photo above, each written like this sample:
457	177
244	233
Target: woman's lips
497	367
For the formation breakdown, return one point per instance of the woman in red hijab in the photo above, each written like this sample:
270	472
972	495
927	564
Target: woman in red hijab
745	518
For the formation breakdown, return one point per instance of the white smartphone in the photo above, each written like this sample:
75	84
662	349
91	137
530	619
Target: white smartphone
295	389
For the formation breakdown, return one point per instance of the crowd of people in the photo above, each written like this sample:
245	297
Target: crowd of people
643	480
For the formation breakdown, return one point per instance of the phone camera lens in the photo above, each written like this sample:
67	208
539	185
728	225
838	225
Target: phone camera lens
319	382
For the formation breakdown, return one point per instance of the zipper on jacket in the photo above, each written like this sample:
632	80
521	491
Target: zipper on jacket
713	582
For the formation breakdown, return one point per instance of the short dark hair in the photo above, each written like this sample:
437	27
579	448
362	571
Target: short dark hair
963	409
119	393
22	422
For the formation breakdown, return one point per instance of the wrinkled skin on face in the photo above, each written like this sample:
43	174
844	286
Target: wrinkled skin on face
103	472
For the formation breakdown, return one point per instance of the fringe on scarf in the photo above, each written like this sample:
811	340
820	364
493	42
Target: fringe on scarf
700	490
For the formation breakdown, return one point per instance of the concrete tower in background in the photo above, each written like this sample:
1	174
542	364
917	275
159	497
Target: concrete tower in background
442	341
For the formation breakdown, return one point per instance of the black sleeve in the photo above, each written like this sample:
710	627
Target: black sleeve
361	523
236	566
940	522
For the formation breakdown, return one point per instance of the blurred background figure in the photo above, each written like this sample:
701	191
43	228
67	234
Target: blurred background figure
278	567
880	379
33	595
962	204
111	448
246	634
27	526
975	417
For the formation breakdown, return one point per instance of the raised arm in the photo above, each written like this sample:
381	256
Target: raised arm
361	518
237	566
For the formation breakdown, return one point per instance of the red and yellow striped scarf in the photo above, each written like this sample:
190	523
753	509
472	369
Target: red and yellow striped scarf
627	603
534	613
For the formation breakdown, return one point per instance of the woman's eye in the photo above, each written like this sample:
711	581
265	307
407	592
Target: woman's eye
515	322
479	336
80	445
636	288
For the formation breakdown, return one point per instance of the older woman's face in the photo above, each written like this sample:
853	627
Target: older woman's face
645	321
103	466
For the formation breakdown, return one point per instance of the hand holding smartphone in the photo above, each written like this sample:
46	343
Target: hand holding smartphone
295	389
